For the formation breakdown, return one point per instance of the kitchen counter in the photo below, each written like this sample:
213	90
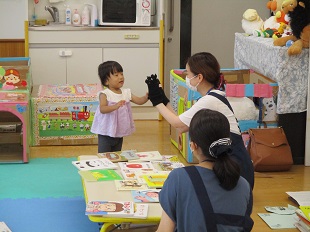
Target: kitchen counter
64	27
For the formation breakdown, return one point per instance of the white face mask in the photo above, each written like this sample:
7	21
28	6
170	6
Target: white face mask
188	83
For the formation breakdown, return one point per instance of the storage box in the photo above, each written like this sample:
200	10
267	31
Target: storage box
182	98
63	114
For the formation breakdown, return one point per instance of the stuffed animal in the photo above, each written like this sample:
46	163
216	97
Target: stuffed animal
299	13
275	6
274	26
251	21
270	110
244	108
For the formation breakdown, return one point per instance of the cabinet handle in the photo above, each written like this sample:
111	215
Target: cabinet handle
64	53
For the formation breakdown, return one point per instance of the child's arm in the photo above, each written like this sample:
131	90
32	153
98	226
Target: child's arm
139	100
104	108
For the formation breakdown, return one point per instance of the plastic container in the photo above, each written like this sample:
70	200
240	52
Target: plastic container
93	15
68	15
85	16
76	18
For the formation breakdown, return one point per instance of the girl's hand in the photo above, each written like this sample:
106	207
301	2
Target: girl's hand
120	104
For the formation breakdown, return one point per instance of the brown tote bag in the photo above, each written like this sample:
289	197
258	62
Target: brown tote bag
269	150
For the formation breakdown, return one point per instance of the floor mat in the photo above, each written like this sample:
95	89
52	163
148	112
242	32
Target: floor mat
40	178
48	215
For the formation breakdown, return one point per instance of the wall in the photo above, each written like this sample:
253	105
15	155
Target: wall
214	24
41	13
13	13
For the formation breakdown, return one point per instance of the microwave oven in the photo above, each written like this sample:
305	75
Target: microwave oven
125	13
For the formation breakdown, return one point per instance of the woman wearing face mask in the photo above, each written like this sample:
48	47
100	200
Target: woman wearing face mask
204	76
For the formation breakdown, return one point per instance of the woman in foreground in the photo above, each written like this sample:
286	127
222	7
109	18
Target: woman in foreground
210	196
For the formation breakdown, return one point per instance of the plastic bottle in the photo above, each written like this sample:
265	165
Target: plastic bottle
76	18
93	15
68	15
85	16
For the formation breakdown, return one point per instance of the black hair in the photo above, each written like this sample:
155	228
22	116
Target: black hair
106	69
207	65
206	127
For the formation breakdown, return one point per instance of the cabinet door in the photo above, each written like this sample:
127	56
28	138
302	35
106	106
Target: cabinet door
82	65
137	63
47	66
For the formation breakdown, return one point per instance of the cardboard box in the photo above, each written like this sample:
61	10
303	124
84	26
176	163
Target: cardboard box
182	98
15	74
14	127
61	116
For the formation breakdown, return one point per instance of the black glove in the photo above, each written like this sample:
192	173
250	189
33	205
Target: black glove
165	99
155	94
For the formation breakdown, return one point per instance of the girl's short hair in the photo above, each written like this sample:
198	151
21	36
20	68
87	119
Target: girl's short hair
106	69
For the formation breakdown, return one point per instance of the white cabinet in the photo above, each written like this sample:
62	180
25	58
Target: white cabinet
65	65
71	55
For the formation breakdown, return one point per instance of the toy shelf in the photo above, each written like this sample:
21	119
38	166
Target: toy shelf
15	88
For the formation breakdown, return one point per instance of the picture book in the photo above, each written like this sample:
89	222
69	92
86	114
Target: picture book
171	158
145	196
141	210
93	164
113	156
130	174
278	221
301	225
130	155
302	198
167	165
139	174
110	208
155	180
136	165
129	185
302	216
147	156
100	175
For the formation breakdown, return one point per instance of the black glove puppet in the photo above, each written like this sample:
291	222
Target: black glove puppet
156	93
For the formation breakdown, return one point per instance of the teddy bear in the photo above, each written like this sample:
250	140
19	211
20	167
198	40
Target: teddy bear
251	21
299	13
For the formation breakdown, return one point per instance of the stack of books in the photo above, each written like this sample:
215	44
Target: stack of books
302	221
302	199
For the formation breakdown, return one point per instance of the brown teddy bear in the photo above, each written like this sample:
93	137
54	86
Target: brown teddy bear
299	13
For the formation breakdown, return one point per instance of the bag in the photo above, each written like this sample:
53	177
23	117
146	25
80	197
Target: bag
269	150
